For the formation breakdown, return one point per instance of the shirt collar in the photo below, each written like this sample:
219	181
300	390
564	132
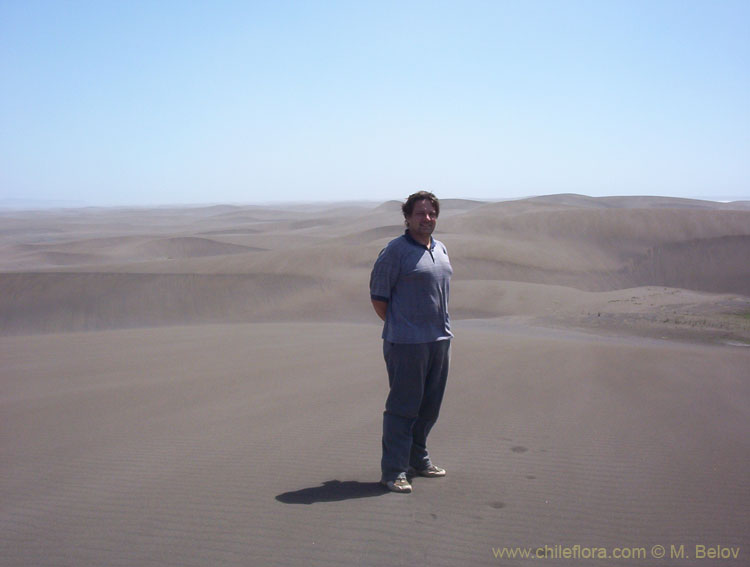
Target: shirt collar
410	239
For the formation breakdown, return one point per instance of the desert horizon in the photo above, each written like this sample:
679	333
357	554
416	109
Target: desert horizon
204	385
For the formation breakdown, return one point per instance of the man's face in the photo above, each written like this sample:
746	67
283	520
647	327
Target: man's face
423	219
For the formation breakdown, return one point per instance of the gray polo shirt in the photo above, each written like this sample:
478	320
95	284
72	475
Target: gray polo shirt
415	282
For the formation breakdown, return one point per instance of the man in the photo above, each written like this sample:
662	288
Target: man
409	288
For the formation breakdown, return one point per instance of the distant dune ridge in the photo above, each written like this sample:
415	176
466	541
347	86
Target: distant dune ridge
204	386
93	269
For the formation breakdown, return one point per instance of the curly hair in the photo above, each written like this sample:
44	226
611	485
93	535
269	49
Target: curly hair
408	207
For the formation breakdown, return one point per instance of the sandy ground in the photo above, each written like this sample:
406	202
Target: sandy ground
205	386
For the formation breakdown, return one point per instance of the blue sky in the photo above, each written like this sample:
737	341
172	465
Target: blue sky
159	102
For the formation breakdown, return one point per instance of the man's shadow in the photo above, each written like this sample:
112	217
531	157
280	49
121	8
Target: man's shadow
333	491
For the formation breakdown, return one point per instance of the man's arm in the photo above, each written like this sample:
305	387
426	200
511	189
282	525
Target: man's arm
381	307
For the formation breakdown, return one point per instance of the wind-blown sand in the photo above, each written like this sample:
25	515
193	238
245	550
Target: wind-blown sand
204	386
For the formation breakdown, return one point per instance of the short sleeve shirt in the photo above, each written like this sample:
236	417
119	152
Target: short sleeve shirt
415	282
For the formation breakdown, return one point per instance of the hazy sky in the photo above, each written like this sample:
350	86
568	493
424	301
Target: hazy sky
125	102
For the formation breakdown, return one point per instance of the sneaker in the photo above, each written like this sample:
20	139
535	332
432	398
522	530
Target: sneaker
400	484
432	471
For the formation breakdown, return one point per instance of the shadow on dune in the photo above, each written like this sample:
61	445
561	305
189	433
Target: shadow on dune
333	491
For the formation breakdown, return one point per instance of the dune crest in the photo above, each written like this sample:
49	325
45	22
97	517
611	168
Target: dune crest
191	247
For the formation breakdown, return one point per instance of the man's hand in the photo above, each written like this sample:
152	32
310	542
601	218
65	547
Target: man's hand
381	307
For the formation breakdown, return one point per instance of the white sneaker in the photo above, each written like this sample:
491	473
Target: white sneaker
399	485
433	471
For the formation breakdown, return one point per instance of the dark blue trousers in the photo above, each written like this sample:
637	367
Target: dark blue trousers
417	374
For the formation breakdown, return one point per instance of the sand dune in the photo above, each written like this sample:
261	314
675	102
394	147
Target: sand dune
204	385
55	302
710	264
191	247
317	262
